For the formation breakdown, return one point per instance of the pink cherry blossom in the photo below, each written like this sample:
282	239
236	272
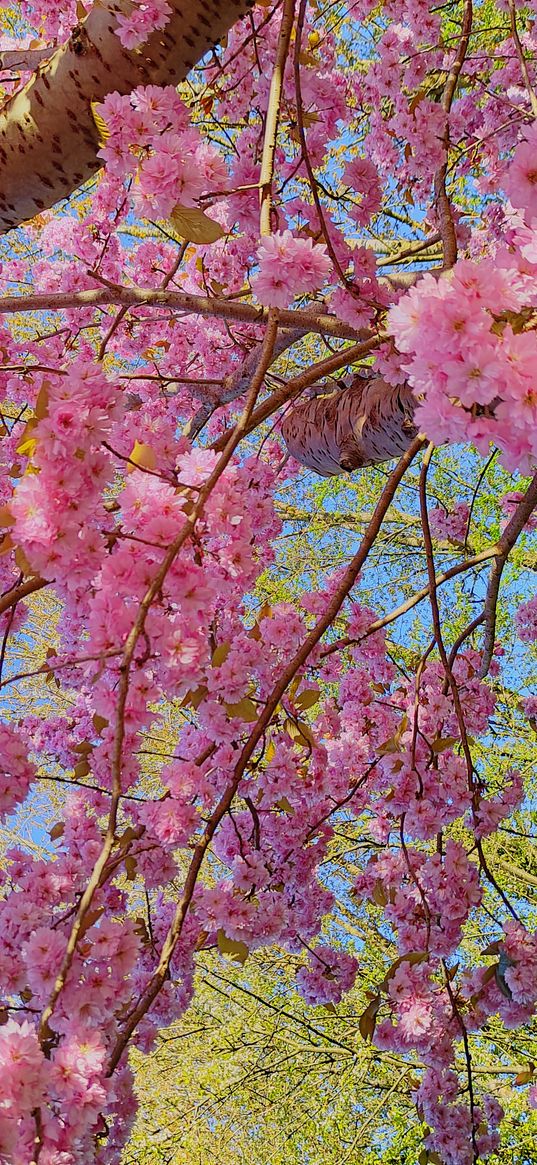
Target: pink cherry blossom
289	266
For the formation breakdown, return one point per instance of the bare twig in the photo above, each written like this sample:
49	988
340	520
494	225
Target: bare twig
414	599
347	283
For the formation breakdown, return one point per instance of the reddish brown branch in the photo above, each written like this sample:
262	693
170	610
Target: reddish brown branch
159	976
28	587
413	601
521	58
304	380
508	539
133	638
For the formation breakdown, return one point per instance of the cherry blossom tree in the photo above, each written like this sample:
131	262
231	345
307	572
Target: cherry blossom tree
318	252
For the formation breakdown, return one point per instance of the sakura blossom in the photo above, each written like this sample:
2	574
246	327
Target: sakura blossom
242	706
287	266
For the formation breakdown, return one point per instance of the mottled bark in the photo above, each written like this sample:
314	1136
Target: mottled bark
48	140
363	423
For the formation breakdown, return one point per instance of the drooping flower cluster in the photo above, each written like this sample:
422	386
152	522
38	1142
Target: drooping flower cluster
330	975
148	138
17	773
450	524
57	505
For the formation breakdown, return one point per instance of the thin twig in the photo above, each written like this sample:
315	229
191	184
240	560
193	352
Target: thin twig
347	283
507	540
304	380
235	385
521	58
413	601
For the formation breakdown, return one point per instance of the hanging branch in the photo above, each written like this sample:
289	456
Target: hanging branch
158	978
505	545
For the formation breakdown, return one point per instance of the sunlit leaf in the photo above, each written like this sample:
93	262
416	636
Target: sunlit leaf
368	1019
307	698
102	128
441	743
236	950
220	654
194	225
243	710
141	457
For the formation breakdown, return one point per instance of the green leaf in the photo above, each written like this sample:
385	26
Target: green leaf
379	894
368	1019
81	770
441	743
6	518
284	804
193	225
244	710
307	698
524	1077
141	456
194	698
391	745
270	751
220	654
27	447
238	951
99	722
102	128
300	732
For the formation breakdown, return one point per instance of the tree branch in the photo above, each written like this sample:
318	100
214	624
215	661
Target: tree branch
48	139
349	578
245	313
505	545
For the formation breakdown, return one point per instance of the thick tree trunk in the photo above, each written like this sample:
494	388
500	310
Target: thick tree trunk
48	140
364	423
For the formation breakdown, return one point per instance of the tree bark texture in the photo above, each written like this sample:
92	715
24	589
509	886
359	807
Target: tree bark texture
363	423
48	139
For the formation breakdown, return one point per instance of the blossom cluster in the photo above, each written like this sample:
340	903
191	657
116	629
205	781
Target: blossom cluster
204	791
